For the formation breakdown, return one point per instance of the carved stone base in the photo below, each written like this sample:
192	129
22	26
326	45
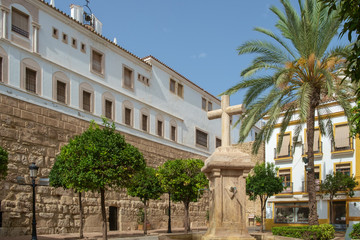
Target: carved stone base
226	170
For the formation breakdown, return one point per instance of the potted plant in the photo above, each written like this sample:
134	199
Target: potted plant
140	219
258	220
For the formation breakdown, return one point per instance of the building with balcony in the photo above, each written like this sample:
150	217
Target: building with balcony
338	153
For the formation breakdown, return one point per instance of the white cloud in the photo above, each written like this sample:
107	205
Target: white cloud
200	55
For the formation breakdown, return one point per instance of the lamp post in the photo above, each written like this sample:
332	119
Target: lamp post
33	174
169	222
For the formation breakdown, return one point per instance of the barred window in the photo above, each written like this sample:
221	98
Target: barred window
144	122
86	101
30	80
61	91
128	116
159	128
108	109
173	133
97	59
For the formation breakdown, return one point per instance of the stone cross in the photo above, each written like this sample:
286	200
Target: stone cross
225	113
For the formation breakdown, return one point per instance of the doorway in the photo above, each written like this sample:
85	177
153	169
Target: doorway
339	215
113	218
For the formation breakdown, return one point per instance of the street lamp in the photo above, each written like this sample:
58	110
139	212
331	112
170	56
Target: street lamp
33	174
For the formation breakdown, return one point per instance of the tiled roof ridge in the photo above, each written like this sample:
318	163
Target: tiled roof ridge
150	56
93	31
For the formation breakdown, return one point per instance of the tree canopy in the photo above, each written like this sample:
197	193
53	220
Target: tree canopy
184	180
292	75
146	186
4	158
263	183
96	160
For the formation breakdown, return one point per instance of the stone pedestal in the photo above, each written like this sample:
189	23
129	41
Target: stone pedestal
227	169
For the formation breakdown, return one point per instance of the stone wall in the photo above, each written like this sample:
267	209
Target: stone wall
35	134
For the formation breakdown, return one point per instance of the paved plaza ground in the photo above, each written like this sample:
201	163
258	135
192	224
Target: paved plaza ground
130	235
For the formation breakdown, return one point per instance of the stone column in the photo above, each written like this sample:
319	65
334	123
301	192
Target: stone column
227	169
4	18
35	37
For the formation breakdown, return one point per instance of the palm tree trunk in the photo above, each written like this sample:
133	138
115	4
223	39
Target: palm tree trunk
145	218
186	219
103	214
81	217
310	122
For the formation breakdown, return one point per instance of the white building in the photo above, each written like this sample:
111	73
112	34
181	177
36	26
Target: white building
291	206
57	72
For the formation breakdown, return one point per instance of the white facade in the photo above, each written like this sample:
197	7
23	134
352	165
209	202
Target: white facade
343	154
59	49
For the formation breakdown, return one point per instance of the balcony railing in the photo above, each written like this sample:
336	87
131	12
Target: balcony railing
288	187
318	151
278	155
317	185
347	144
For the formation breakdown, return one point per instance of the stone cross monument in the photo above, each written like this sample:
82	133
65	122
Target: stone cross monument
226	170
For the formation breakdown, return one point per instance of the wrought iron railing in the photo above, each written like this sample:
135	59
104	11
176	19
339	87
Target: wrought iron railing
288	187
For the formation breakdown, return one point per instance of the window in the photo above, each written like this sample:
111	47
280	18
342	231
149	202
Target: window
209	106
3	66
317	171
86	97
342	139
173	130
73	42
217	142
20	22
30	76
127	78
159	128
203	103
291	213
285	174
176	88
61	91
83	47
86	101
201	138
172	85
143	79
30	80
108	109
61	87
55	33
317	148
128	116
284	150
65	38
180	90
344	168
97	62
144	122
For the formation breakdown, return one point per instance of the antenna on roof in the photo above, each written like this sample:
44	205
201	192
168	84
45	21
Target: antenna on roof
88	16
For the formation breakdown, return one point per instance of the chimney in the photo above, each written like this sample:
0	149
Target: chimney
52	3
77	12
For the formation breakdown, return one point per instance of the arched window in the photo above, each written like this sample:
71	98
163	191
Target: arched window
3	66
144	119
173	130
61	88
128	113
108	105
30	76
86	101
159	125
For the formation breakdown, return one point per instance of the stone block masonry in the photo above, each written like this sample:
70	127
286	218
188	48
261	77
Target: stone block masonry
35	134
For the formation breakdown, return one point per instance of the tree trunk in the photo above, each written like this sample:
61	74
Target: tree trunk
331	210
103	214
81	217
262	204
310	124
145	218
186	219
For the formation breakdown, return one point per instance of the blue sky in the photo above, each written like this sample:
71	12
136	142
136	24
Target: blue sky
197	38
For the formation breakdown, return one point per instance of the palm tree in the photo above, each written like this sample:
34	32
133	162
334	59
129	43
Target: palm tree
292	75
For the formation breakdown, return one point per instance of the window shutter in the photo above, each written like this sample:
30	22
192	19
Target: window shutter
284	150
342	136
